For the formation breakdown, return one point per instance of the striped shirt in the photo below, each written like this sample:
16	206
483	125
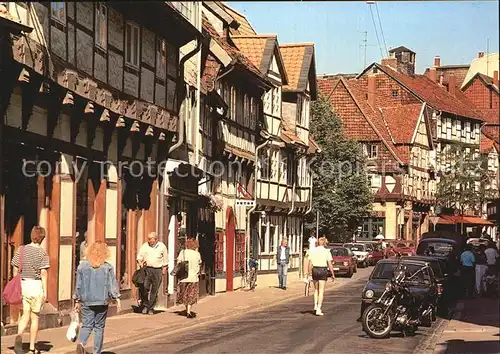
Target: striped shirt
34	260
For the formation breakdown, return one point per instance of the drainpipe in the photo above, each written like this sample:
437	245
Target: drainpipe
182	62
252	209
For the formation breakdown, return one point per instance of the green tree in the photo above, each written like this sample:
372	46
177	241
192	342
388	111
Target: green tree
341	191
464	182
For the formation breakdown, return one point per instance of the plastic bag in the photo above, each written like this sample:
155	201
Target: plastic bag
74	327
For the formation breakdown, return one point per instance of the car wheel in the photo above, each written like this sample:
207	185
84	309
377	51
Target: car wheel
355	268
350	273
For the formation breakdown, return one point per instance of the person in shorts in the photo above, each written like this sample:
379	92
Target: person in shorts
35	263
320	259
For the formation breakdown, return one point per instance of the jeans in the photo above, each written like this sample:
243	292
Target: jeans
149	291
480	271
94	320
467	275
282	271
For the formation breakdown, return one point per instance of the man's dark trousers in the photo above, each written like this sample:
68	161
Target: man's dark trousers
150	287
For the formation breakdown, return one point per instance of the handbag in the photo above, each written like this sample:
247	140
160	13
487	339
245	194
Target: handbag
74	327
181	269
12	293
139	277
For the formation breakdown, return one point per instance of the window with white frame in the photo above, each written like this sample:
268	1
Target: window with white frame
264	165
185	8
253	113
277	101
274	165
58	11
303	110
272	236
246	110
233	103
283	167
132	44
161	58
101	26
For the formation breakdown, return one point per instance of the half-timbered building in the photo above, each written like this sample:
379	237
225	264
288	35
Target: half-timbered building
89	96
241	85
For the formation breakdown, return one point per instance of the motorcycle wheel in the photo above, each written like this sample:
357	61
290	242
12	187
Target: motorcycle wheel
376	328
434	315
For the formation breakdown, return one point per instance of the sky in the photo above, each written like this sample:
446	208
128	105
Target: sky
454	30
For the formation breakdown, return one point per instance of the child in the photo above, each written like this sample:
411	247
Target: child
252	273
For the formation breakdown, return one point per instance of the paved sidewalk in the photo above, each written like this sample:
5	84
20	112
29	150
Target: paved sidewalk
474	328
130	327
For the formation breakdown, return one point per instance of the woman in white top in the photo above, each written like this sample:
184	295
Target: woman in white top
320	259
188	288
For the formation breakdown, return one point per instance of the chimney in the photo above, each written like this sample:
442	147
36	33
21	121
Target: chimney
495	78
372	88
405	59
390	62
437	61
452	84
433	74
480	54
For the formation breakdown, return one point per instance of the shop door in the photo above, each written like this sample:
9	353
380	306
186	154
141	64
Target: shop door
230	235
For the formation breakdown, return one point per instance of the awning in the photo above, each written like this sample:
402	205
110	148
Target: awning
448	220
457	219
475	220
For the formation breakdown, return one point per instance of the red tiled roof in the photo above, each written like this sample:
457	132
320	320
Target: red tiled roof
209	74
232	51
402	121
358	92
459	71
434	95
486	144
326	85
491	115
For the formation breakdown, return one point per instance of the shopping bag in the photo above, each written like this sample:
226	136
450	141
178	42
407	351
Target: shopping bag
74	327
12	293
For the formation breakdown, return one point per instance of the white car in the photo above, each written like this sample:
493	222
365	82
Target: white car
360	251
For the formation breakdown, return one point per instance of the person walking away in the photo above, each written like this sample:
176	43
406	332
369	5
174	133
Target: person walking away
34	265
95	287
320	259
481	266
283	260
467	261
188	288
153	255
491	257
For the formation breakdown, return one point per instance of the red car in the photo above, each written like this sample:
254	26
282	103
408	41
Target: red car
343	263
376	252
404	248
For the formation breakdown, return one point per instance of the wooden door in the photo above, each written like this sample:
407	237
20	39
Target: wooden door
230	236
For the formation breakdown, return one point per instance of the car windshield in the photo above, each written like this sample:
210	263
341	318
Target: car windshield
386	270
441	249
339	252
356	247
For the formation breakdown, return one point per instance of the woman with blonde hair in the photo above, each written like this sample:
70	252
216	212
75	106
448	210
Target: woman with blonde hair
32	262
188	288
320	259
95	286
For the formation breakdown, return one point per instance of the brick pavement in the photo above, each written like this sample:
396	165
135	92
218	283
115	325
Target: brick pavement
474	328
130	327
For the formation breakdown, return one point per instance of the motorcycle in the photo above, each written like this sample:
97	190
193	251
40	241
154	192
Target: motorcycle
397	309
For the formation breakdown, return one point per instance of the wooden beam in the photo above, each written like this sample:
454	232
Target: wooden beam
53	240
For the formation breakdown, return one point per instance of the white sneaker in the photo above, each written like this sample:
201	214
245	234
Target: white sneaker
315	307
319	312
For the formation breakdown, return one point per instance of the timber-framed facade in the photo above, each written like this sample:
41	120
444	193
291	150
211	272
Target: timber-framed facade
92	94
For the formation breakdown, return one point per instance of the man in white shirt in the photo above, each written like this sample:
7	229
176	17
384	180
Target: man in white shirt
491	255
153	255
